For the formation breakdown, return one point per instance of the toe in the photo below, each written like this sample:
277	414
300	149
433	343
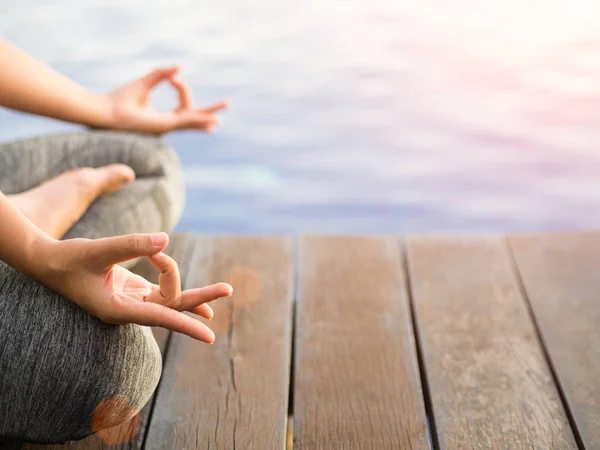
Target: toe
115	176
125	173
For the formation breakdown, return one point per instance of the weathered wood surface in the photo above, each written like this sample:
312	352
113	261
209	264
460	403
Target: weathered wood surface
356	378
561	276
233	394
490	385
130	435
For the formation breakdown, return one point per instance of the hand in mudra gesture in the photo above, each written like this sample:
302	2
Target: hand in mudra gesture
131	109
87	273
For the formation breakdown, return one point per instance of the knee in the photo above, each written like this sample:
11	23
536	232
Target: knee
122	367
156	165
153	202
128	381
147	155
84	376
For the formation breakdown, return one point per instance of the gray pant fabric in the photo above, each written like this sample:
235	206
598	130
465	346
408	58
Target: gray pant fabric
63	373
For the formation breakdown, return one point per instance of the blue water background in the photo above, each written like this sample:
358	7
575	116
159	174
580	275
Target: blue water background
355	116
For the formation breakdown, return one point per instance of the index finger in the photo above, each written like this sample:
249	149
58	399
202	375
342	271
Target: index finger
156	76
185	96
154	315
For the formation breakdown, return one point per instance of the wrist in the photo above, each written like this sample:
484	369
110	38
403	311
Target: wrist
100	111
42	259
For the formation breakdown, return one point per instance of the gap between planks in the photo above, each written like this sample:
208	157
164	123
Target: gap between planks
431	425
238	396
489	382
355	345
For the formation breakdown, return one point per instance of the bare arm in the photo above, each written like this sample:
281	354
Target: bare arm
87	271
30	86
19	238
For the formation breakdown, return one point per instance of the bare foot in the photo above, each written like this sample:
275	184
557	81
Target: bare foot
54	206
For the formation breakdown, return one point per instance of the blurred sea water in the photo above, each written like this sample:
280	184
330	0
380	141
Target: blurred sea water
355	116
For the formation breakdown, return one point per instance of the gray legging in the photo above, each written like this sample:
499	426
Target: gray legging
64	373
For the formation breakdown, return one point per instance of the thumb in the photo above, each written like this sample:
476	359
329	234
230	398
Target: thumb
114	250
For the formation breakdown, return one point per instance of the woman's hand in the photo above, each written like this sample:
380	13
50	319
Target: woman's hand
86	272
30	86
131	109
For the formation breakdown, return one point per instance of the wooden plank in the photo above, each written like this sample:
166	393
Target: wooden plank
561	276
356	377
130	435
489	383
233	394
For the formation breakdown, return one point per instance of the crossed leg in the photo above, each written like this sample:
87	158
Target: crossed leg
64	373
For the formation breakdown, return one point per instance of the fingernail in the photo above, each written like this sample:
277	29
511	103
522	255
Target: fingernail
228	290
159	239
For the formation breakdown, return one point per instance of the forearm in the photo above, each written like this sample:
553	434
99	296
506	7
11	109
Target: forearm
19	239
28	85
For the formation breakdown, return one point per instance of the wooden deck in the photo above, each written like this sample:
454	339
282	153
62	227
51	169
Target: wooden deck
382	343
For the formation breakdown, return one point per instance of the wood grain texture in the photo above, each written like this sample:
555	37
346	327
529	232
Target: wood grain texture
490	385
233	394
356	377
130	435
561	276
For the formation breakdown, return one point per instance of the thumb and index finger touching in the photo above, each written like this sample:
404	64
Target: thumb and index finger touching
154	78
186	101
